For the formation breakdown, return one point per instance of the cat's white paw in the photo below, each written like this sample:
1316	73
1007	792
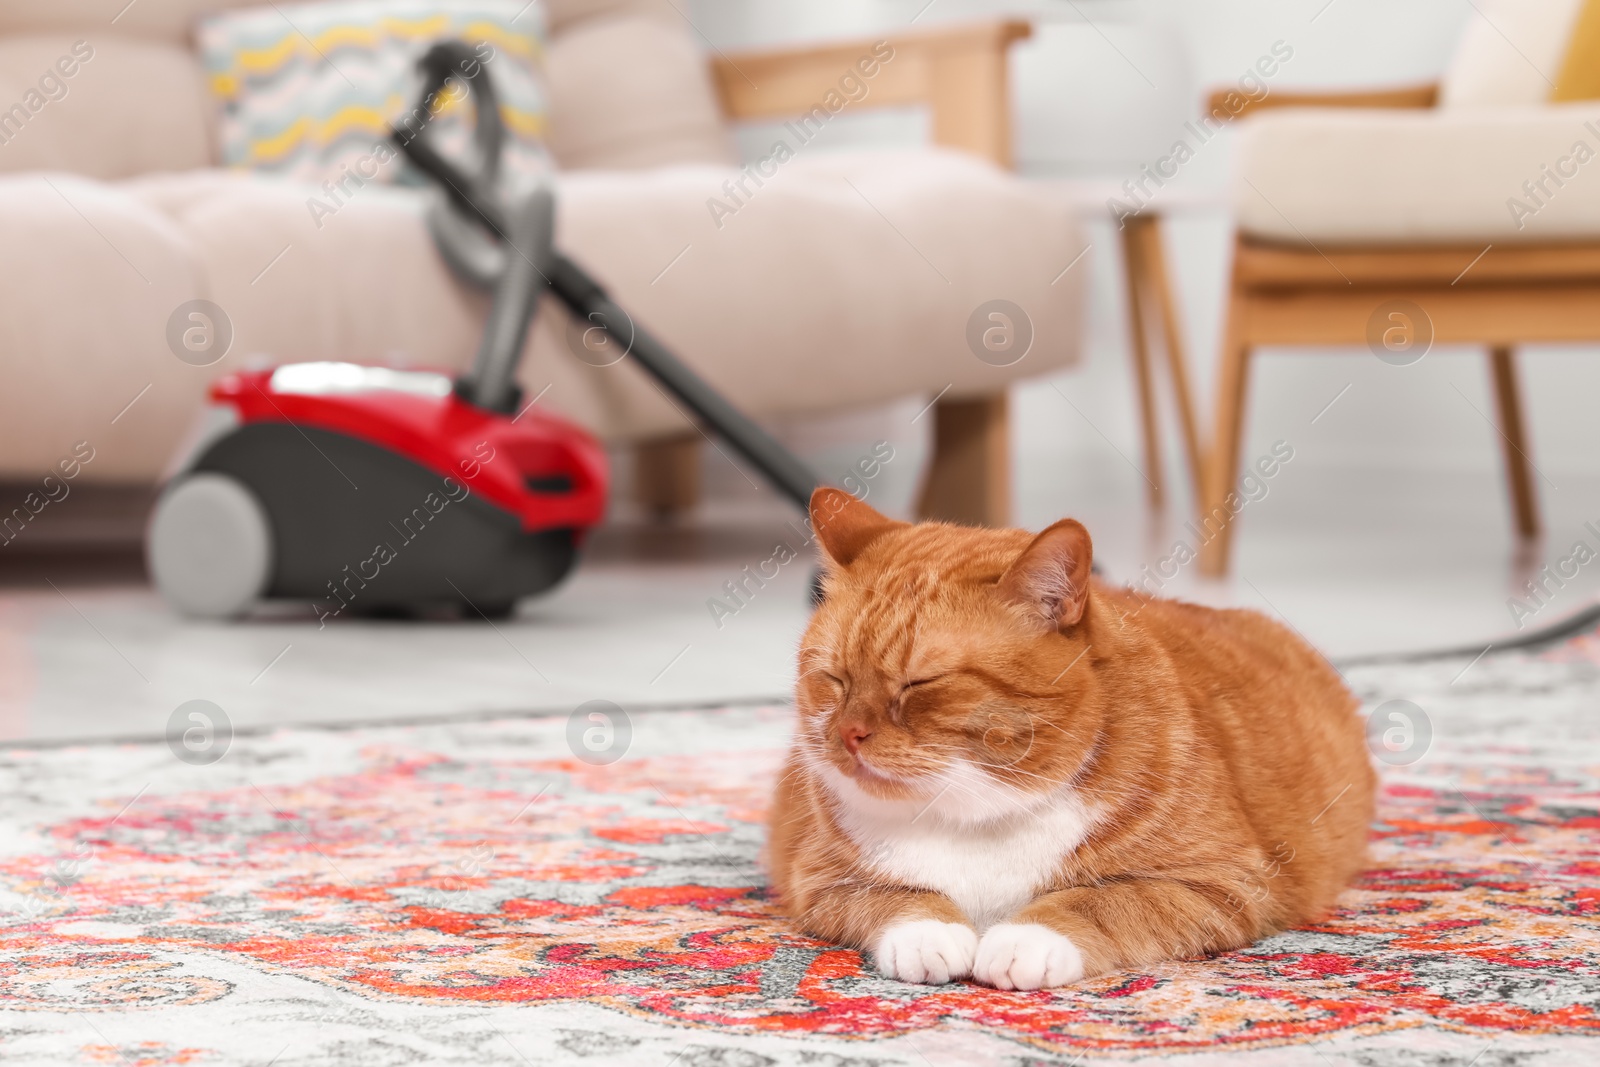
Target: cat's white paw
1026	956
927	951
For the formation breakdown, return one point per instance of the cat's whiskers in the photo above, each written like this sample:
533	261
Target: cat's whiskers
993	768
982	802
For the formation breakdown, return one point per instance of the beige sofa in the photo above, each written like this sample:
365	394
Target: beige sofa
847	279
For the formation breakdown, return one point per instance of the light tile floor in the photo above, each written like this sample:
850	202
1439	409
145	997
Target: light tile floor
1360	563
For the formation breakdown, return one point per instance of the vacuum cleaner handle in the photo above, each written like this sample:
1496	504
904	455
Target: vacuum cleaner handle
458	60
536	264
515	268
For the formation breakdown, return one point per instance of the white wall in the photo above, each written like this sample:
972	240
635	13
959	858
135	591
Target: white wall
1102	87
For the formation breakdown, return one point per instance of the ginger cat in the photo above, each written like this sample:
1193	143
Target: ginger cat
1005	770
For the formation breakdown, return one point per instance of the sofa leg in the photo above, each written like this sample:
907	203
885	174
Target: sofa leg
666	474
969	480
1222	461
1508	403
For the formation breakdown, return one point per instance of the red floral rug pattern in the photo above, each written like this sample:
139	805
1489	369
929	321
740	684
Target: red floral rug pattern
480	865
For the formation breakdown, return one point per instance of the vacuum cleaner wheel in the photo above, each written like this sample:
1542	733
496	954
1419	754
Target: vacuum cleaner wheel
210	546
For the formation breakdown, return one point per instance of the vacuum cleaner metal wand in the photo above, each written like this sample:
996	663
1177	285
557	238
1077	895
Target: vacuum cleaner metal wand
491	384
589	302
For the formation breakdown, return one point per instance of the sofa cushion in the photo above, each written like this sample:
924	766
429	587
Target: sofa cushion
1510	53
362	283
562	14
629	92
91	276
843	280
168	21
102	106
849	278
1443	176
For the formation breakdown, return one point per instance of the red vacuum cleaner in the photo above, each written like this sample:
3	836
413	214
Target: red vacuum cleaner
368	490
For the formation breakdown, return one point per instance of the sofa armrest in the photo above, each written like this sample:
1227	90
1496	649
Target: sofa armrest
1231	102
959	73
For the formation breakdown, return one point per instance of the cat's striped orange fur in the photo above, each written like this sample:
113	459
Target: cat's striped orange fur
1006	770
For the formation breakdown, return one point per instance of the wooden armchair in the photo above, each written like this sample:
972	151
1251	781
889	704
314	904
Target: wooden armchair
1318	290
960	75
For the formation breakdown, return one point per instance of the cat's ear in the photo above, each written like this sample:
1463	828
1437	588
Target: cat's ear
1051	577
844	525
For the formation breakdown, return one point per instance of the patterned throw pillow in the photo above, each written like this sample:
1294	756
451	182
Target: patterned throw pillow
309	91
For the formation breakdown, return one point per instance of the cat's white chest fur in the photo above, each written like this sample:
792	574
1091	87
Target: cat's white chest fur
987	847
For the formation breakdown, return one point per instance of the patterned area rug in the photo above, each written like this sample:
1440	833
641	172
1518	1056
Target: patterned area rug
475	894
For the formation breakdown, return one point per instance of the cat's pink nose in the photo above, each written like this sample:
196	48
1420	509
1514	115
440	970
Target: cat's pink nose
853	733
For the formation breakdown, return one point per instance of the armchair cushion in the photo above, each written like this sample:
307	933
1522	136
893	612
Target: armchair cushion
1421	176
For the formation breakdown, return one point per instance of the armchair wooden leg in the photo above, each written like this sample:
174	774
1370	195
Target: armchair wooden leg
666	474
1222	461
1157	279
1519	477
1135	270
969	479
